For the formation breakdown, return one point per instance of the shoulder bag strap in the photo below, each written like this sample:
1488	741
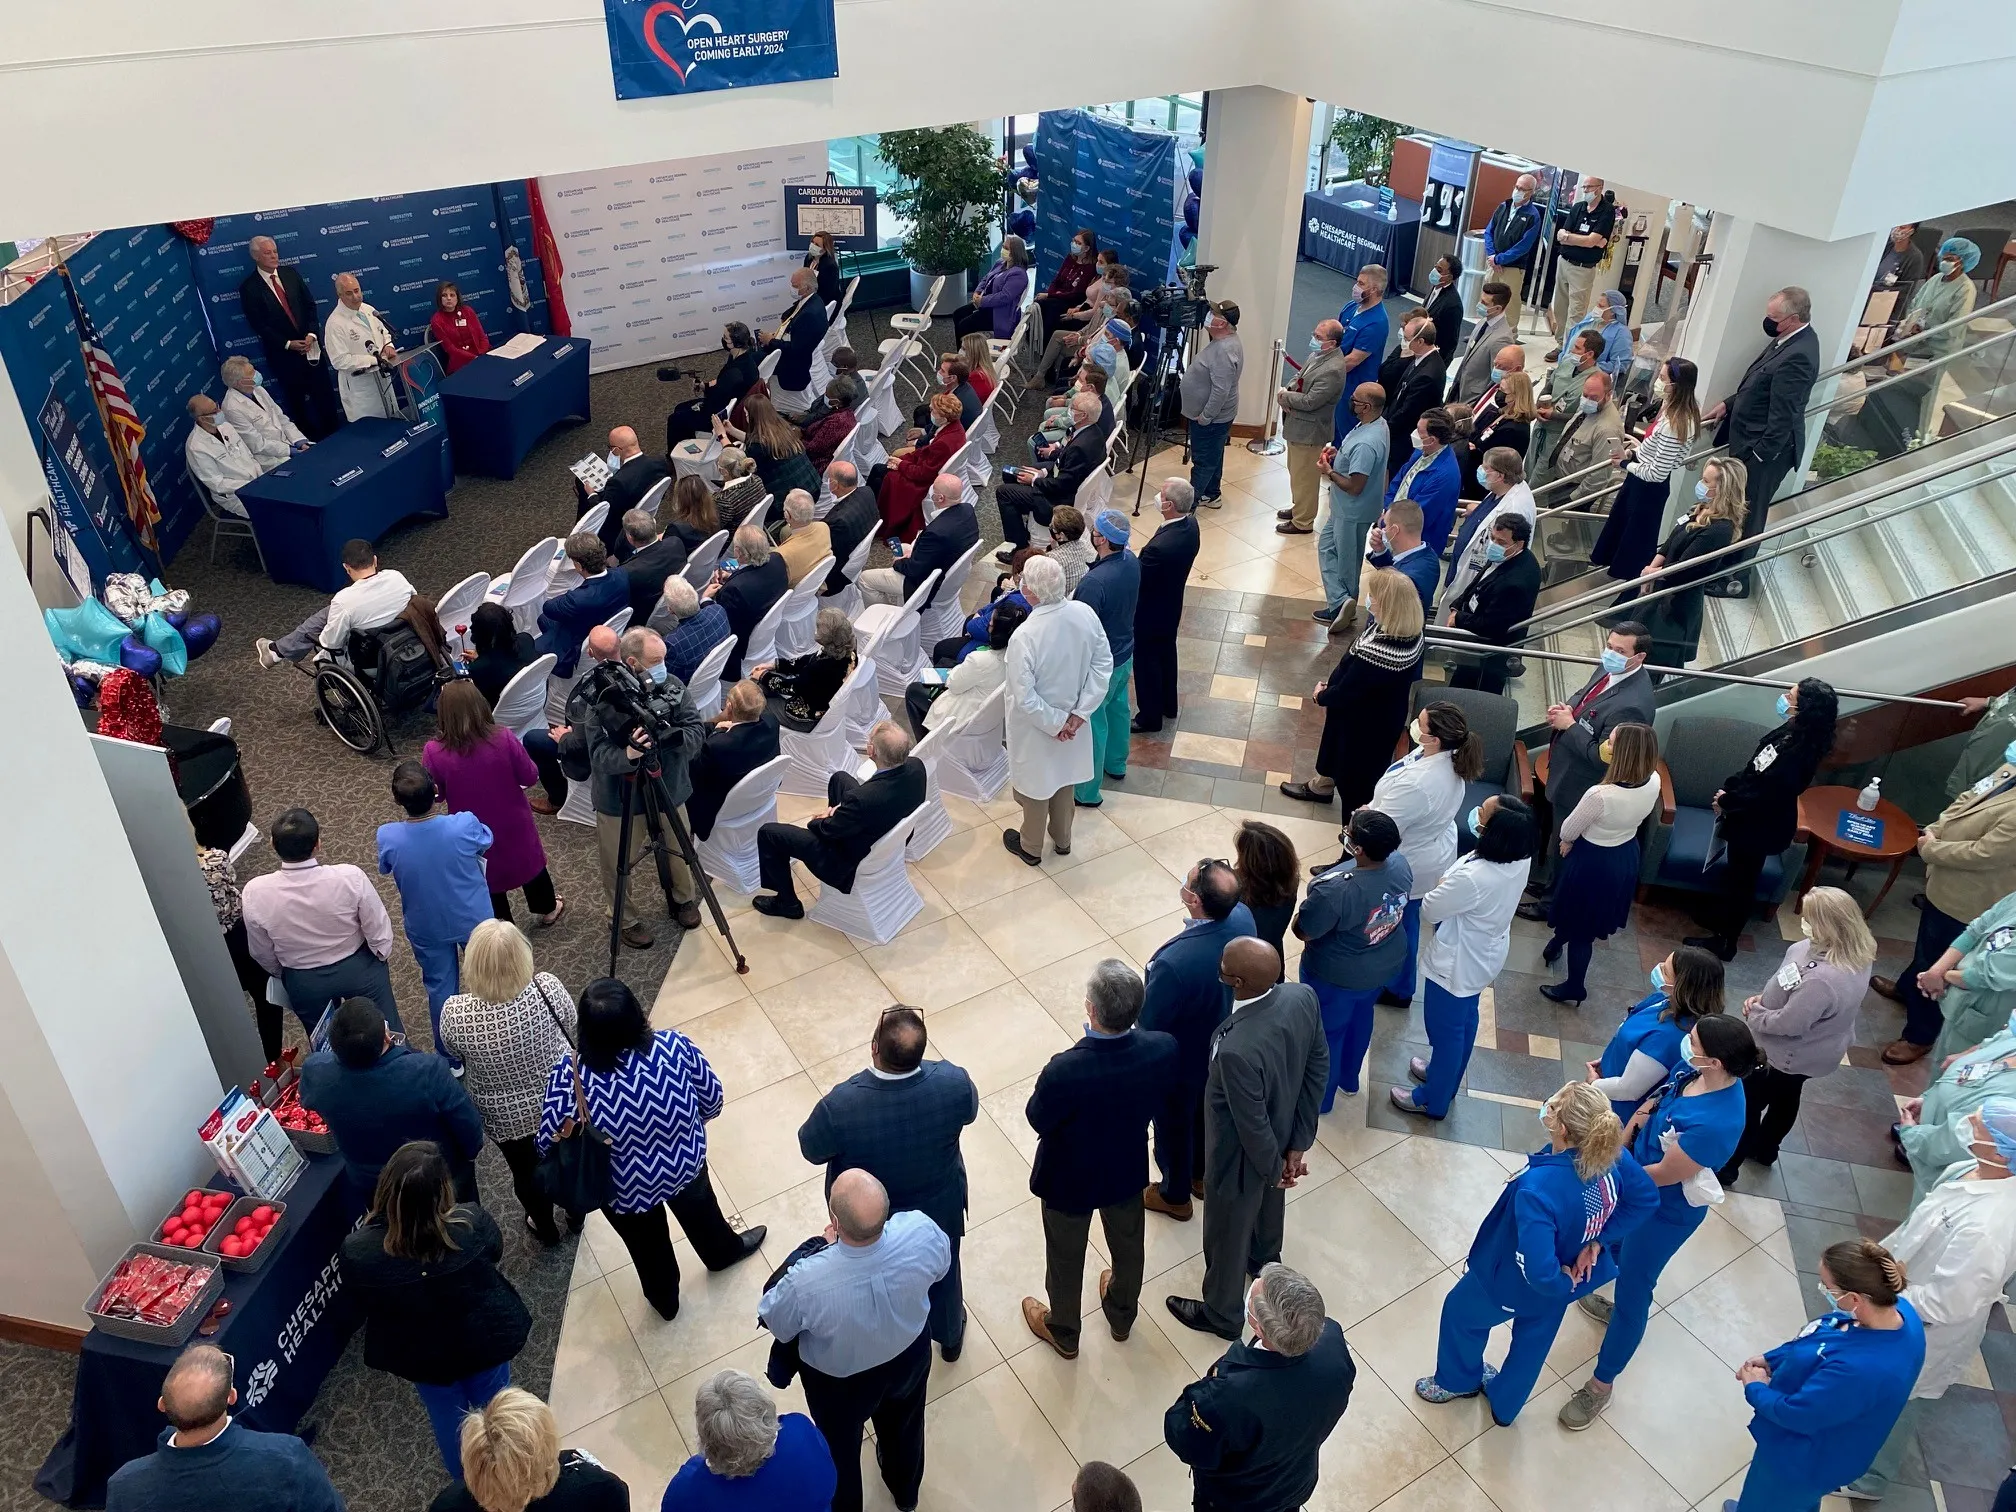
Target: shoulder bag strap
574	1057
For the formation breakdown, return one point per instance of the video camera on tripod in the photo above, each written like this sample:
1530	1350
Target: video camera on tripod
619	691
1180	306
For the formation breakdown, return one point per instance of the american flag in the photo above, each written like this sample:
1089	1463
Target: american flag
122	425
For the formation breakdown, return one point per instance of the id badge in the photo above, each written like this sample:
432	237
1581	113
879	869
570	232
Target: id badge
1788	977
1972	1072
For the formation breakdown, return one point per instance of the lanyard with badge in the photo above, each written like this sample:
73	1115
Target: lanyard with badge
1972	1072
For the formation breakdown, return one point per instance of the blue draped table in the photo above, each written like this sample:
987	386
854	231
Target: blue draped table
357	484
498	409
1343	229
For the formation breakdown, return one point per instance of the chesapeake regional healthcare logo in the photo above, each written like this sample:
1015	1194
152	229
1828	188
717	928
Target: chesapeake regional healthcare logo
1315	225
687	21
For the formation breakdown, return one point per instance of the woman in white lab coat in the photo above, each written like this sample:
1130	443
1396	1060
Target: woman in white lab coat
1058	667
1959	1246
1423	794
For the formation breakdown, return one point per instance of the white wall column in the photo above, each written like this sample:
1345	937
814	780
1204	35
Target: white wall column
1255	167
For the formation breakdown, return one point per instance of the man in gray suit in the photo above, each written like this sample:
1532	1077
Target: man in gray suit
1269	1063
1307	409
1473	368
1619	693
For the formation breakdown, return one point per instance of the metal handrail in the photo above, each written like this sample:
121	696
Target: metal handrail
1916	336
1723	677
1803	523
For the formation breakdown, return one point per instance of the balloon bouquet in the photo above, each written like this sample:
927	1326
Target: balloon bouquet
137	625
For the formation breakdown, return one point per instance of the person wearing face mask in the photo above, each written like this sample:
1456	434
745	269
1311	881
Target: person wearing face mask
1308	410
1470	909
1210	392
1983	752
1685	561
1678	1135
1631	530
1804	1020
269	431
997	301
1363	342
1609	316
1166	561
1686	988
1429	477
1502	475
1500	416
1474	373
1825	1401
751	577
360	352
1355	469
218	456
1593	435
1974	980
1413	378
1946	297
1580	240
1902	263
1933	1131
1548	1240
1763	423
1350	928
737	376
1499	599
1067	290
1445	305
1511	238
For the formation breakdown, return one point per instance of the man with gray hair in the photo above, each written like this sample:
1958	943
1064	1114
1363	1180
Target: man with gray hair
749	1455
1091	1109
1307	406
835	841
954	530
203	1450
269	431
361	351
807	541
857	1310
749	580
1252	1429
1059	666
283	315
1158	612
217	456
1026	491
797	336
649	556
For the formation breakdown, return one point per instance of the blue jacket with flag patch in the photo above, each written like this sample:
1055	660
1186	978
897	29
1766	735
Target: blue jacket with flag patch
1544	1218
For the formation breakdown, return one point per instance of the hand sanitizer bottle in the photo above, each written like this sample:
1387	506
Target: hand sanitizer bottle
1870	796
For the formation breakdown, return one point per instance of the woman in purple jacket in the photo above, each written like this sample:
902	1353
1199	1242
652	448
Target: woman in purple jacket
997	304
483	770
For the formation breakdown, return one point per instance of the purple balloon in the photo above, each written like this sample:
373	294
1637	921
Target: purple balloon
199	633
136	656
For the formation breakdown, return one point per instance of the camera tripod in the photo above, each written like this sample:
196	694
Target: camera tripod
647	785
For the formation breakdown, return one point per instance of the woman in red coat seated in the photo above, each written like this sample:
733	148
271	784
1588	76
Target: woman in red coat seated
456	328
903	483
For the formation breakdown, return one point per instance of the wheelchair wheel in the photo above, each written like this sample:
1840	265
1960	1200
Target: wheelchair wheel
343	703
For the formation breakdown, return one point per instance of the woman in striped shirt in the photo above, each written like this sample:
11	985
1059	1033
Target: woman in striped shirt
1631	534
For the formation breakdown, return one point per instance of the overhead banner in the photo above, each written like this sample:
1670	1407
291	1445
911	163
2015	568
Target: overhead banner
654	259
680	47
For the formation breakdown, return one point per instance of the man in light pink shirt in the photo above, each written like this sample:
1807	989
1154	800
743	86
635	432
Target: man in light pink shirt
322	930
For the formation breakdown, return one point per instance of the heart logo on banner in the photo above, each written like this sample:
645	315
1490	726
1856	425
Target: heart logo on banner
686	25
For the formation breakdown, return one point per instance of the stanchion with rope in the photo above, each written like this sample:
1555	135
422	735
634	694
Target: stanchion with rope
1269	442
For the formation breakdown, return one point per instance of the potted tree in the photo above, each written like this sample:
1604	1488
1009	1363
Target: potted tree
947	185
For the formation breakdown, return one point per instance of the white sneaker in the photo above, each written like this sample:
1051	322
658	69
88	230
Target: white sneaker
263	649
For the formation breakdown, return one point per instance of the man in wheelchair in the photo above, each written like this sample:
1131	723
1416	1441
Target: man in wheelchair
375	598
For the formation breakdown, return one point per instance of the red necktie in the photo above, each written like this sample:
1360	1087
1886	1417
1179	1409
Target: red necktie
1590	697
279	293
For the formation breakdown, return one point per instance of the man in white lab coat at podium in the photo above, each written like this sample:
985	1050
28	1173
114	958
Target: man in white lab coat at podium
269	432
1059	665
359	348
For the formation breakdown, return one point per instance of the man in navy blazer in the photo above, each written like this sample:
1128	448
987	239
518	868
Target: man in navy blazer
798	335
954	530
1396	542
1091	1109
566	619
900	1121
1186	999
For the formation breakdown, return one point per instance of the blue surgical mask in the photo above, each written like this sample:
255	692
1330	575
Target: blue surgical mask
1657	976
1784	707
1493	552
657	673
1700	492
1434	278
1541	1114
1486	482
2009	751
1614	662
1687	1049
1474	820
1833	1302
1589	406
1315	343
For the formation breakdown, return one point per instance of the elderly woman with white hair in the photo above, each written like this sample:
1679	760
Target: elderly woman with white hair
1059	667
268	431
750	1457
749	580
512	1462
801	688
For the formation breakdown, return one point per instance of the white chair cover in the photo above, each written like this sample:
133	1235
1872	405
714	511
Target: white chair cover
801	611
818	753
591	522
458	604
883	899
728	854
973	761
705	688
762	645
523	589
700	565
521	707
945	613
892	635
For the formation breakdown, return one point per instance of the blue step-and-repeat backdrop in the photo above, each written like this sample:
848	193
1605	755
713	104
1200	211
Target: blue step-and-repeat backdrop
1120	181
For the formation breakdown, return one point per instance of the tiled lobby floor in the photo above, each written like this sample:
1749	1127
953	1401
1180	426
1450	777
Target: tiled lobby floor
998	960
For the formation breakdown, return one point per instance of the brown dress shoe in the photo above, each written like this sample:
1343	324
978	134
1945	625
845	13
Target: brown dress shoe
541	804
1037	1316
1105	1283
1886	987
1903	1053
1153	1200
1197	1187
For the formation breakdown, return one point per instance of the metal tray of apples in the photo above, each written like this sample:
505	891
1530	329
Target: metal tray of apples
247	1209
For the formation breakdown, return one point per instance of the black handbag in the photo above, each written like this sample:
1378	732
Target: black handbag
576	1172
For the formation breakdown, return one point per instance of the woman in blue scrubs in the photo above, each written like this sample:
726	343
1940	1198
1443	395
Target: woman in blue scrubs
1691	1125
1686	986
1542	1245
1825	1402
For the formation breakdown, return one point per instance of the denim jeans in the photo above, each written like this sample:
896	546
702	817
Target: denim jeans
1207	457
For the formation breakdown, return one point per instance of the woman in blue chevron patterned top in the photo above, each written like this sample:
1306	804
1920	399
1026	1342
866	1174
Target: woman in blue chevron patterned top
651	1093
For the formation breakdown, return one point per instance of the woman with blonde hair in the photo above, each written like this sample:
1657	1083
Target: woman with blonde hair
508	1026
1364	700
1504	418
980	370
512	1462
1626	542
1804	1019
1599	857
1546	1241
1717	520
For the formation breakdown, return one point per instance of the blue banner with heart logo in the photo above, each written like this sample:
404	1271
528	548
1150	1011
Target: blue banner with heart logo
679	47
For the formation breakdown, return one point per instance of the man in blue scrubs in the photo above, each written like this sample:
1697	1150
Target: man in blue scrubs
1363	342
437	862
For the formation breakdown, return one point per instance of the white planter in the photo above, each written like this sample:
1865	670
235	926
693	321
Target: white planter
954	294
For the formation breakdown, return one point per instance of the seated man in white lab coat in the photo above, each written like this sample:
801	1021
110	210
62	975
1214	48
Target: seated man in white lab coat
268	431
217	455
359	348
374	598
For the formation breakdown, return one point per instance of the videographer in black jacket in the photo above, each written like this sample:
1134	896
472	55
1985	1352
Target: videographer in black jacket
601	746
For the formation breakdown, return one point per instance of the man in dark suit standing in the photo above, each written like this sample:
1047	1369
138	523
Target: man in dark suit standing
797	335
1188	998
1158	612
954	530
1251	1431
1413	377
633	478
900	1121
850	520
283	316
1269	1063
1090	1109
1031	491
650	557
835	843
1620	693
1764	422
743	739
1501	597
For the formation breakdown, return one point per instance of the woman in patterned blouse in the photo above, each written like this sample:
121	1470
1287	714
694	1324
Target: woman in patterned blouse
509	1028
651	1094
223	883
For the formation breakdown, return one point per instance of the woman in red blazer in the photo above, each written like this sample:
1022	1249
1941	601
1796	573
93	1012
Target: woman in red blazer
456	328
912	470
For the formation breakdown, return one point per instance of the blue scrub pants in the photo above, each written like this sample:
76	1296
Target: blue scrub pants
1452	1033
1469	1313
441	971
1347	1026
1340	551
1110	735
1764	1490
1402	984
1641	1255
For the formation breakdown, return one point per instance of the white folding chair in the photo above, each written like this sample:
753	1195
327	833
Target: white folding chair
1097	489
973	761
760	515
836	322
704	687
910	329
728	854
523	589
943	613
934	824
848	599
882	900
591	523
457	605
654	496
700	565
892	635
801	611
882	388
819	752
762	645
521	707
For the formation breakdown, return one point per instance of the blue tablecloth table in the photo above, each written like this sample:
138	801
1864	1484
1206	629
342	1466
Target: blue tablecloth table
499	408
356	484
1343	228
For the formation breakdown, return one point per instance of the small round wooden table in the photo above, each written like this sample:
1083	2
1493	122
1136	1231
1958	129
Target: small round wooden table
1820	810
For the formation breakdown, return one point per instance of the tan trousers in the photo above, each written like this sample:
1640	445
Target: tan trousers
1515	280
1305	482
1058	808
609	833
1572	288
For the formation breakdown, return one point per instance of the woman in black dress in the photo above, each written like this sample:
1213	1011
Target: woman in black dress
737	376
1675	621
1445	305
1364	701
502	650
1757	808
